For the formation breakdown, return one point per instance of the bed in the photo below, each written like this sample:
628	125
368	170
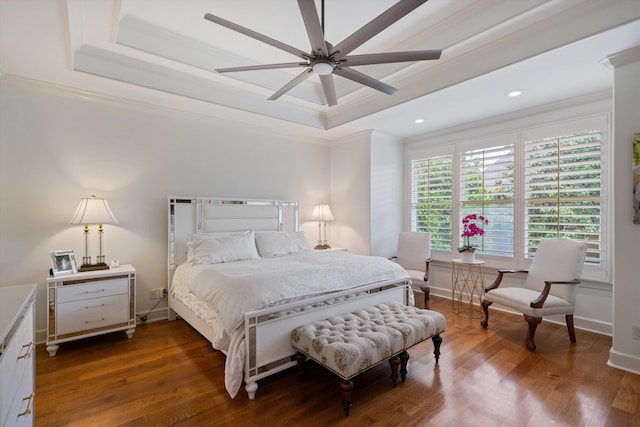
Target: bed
246	304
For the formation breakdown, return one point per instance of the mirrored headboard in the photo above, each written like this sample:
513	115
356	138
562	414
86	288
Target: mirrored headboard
214	214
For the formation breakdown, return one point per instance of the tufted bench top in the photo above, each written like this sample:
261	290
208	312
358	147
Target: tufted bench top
352	343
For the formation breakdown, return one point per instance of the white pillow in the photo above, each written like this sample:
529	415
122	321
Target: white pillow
272	243
229	248
300	240
194	240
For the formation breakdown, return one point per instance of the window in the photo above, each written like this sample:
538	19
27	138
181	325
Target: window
562	191
431	199
535	183
487	189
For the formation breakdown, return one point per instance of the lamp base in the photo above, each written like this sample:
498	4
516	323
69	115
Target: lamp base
93	267
320	247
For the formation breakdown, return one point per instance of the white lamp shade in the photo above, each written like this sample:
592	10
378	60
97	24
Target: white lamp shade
93	211
322	213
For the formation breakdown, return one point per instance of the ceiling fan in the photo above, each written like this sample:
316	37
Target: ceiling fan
326	59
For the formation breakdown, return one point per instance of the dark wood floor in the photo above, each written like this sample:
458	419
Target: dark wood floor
168	375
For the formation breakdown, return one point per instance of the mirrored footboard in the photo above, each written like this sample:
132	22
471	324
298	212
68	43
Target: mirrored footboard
268	331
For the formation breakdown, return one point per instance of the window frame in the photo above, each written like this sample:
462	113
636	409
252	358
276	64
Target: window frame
477	144
413	204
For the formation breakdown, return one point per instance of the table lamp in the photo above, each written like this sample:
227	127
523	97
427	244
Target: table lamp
322	214
93	211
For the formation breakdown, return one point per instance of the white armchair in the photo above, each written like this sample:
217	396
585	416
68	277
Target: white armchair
550	287
414	255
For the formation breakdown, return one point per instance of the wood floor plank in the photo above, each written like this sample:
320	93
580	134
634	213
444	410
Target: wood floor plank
168	375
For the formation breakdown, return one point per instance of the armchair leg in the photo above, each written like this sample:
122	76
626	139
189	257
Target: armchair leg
425	289
533	324
485	308
572	332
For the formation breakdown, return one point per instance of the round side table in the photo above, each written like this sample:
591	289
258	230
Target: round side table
467	287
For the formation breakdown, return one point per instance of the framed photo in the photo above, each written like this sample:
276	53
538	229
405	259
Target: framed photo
63	262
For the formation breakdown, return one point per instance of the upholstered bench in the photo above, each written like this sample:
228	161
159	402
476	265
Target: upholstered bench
351	343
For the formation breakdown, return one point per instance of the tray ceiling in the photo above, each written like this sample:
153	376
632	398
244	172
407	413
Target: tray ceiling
164	52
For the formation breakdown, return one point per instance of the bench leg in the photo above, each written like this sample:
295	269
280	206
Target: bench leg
346	387
437	340
404	358
395	367
300	358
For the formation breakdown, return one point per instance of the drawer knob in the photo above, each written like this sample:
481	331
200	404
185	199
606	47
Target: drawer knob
27	354
87	307
28	410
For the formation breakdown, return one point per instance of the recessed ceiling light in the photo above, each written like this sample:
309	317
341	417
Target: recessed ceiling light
418	121
514	93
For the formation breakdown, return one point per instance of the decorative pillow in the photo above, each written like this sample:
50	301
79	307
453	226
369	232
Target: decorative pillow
272	243
194	240
229	248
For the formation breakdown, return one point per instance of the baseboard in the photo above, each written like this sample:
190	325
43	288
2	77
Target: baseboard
154	315
626	362
581	323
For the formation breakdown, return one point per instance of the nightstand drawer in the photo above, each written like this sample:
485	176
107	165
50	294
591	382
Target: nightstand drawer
101	288
92	313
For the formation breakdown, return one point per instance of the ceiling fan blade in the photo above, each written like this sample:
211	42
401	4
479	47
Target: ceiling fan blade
383	58
382	21
286	88
260	37
329	89
262	67
312	24
358	77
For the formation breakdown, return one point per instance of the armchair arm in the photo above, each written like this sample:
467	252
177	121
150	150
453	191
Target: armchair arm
539	302
426	267
498	280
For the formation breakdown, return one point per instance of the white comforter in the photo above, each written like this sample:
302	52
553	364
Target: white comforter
234	288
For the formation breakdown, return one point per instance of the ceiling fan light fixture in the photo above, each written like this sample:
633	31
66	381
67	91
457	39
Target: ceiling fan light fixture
323	67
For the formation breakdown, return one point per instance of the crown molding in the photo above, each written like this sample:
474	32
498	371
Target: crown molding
595	103
223	116
620	59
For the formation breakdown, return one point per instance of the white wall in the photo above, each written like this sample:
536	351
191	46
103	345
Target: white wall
625	352
350	193
366	193
57	147
386	194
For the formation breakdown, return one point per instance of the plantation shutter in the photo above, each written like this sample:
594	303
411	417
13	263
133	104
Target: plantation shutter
431	199
563	191
487	189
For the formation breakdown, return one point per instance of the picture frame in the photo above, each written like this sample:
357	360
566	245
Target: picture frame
63	262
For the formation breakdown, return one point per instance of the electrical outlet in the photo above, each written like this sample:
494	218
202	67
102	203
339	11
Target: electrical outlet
635	330
153	294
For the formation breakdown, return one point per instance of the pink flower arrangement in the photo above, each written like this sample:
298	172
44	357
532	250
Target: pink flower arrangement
471	228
